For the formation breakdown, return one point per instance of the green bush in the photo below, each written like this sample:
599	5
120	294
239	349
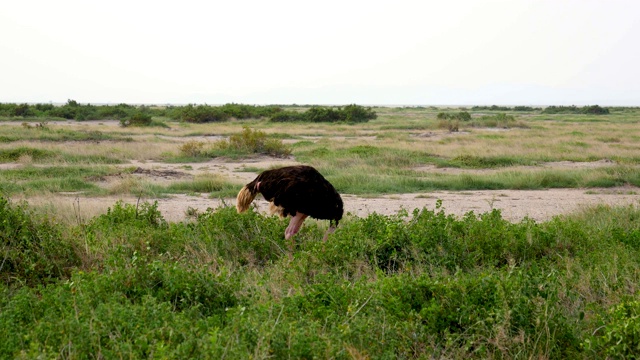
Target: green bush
33	250
593	109
223	284
287	116
525	108
207	113
203	114
253	142
139	215
120	111
492	108
460	116
620	336
138	118
350	114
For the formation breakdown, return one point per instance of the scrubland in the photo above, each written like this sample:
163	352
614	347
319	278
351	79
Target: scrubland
415	284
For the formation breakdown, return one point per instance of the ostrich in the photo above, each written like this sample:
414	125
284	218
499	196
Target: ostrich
299	191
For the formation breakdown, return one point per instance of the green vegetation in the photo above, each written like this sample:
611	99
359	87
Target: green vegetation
460	116
429	285
246	143
206	113
349	114
136	119
142	116
593	109
126	283
252	142
43	132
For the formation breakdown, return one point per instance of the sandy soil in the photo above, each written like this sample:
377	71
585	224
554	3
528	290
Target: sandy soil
515	205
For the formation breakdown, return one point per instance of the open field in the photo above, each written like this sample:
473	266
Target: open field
516	235
403	159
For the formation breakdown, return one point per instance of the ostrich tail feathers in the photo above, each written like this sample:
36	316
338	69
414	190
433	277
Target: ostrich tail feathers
245	197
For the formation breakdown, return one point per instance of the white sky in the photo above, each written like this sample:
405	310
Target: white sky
444	52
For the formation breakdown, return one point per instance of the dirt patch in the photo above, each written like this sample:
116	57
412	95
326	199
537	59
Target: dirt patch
540	205
515	205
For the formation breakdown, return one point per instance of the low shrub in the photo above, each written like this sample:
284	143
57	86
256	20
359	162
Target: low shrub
138	118
192	148
203	114
253	142
592	109
33	250
619	338
207	113
350	114
460	116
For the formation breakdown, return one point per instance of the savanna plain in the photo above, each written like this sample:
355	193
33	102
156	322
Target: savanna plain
477	232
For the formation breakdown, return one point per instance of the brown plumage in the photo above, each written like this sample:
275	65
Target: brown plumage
299	191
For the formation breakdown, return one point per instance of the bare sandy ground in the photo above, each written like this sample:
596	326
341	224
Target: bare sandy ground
540	205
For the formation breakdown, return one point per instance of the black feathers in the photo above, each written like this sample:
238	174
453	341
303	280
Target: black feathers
298	191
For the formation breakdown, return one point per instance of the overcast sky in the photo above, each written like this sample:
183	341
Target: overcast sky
444	52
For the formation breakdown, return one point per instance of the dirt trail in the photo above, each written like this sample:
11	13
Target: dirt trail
540	205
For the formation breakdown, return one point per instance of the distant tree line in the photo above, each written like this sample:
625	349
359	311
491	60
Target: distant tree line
72	110
593	109
505	108
140	115
350	114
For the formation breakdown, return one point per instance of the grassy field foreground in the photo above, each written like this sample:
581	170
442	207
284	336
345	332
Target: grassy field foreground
127	284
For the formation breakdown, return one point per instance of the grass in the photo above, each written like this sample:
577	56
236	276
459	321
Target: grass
123	282
129	284
380	156
45	133
213	184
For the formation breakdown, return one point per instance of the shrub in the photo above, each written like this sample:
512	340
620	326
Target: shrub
206	113
138	118
23	110
461	116
451	125
203	114
287	116
621	335
192	148
525	108
350	113
356	113
322	114
593	109
33	250
492	108
142	215
254	142
120	111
